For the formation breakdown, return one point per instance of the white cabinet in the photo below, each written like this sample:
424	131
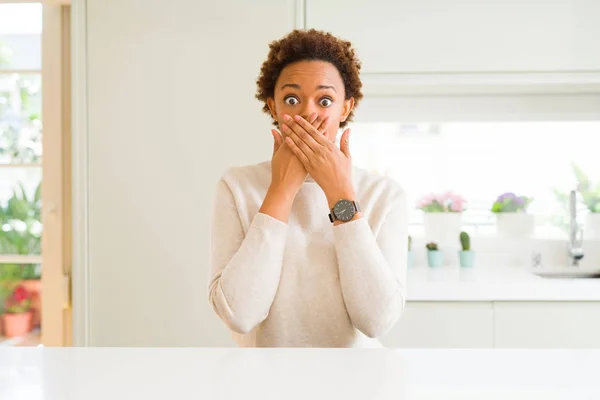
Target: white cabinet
497	324
547	324
444	324
468	45
465	35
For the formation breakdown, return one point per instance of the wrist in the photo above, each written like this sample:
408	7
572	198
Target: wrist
281	193
341	194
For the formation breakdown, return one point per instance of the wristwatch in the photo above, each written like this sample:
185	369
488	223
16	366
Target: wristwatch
344	210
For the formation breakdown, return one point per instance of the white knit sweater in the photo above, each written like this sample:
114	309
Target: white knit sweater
307	283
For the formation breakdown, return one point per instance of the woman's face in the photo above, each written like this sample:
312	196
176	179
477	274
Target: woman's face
307	87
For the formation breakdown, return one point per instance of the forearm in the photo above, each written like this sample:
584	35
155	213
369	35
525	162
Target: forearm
243	288
278	203
373	289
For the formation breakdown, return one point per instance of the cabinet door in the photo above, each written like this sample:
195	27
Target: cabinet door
447	324
547	324
437	36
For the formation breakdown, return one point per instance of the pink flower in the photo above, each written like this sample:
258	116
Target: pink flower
456	206
426	200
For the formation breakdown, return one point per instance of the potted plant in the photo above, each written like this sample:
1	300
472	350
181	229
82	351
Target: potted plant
21	231
512	218
410	256
17	316
465	255
10	276
442	218
435	257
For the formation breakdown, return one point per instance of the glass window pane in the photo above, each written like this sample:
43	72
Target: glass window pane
20	118
20	36
20	210
480	161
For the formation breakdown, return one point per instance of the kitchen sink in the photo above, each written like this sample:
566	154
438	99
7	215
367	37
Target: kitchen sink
567	273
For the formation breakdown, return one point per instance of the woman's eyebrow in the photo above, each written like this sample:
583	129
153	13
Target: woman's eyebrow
292	85
326	87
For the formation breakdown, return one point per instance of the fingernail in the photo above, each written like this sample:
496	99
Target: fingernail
297	117
286	117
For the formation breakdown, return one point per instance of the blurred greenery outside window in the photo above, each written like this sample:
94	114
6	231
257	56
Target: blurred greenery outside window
20	142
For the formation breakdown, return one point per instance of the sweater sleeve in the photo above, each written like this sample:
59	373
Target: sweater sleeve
373	269
245	268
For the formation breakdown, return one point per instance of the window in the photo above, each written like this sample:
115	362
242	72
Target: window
20	145
481	160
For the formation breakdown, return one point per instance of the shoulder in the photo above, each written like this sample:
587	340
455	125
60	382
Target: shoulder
252	175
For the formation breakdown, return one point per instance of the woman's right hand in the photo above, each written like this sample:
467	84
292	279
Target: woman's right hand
287	175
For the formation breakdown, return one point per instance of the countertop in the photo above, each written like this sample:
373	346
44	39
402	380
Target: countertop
348	374
495	284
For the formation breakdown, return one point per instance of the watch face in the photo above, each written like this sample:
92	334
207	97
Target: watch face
344	210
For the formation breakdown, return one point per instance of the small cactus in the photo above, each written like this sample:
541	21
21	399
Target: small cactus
432	246
409	243
465	241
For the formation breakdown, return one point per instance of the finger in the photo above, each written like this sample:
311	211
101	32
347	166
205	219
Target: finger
345	143
314	133
314	119
323	127
297	152
277	140
301	144
302	136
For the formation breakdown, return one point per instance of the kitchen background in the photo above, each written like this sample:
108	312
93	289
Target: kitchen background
477	98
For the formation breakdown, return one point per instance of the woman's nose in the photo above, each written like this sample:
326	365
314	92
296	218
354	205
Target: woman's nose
307	110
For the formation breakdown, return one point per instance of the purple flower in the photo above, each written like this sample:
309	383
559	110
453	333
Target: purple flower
505	196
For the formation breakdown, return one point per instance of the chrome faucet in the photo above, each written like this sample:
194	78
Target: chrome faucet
575	244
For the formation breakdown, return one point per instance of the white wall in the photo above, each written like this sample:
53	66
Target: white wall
170	106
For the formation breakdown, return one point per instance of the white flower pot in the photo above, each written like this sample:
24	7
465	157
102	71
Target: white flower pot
592	226
444	229
515	224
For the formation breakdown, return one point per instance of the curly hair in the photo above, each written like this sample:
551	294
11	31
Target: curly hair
305	45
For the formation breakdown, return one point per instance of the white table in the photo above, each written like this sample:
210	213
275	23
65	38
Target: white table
307	374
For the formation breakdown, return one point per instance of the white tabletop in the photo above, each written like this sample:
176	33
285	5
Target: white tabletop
495	284
347	374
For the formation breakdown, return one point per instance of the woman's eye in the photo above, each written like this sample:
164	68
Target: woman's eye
326	102
291	101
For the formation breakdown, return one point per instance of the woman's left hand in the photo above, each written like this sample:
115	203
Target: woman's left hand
329	166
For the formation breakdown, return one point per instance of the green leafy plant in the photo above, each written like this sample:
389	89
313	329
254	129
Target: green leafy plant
10	276
20	223
589	198
20	234
465	241
409	243
590	192
20	110
432	246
